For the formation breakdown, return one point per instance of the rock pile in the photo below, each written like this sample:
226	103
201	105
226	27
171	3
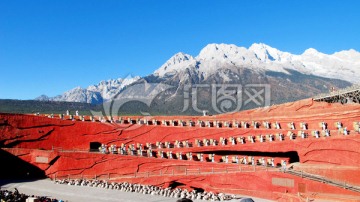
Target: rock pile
150	189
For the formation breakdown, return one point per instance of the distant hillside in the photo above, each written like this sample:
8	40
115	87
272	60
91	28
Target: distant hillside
33	106
56	107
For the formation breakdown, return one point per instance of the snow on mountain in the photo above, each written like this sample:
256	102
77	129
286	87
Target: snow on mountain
261	57
217	59
340	65
349	55
79	94
112	87
43	98
94	94
176	63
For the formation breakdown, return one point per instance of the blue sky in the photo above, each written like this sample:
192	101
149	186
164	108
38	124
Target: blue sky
51	46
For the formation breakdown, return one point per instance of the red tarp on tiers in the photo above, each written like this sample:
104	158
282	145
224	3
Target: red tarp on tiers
64	146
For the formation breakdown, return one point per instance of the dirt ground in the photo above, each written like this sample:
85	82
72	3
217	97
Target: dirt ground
90	194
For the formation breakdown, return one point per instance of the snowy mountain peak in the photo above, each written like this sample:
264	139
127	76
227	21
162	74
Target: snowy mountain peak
108	89
219	51
350	55
94	94
178	58
76	88
266	53
43	98
260	46
79	94
311	51
262	57
176	63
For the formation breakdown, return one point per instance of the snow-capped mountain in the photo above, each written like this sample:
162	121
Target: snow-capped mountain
112	87
79	94
291	76
94	94
261	57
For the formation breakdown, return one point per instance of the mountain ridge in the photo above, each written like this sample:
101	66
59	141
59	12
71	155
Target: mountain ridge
228	63
260	56
94	94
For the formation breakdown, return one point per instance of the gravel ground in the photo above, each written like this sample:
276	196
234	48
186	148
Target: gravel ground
90	194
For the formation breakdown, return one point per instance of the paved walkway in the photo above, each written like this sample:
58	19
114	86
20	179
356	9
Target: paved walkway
89	194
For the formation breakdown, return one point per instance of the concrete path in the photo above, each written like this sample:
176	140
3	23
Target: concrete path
90	194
